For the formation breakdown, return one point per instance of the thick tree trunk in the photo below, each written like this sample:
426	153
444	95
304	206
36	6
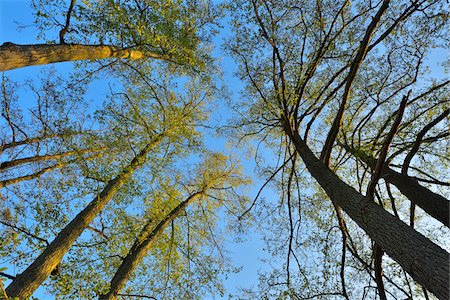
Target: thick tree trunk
14	56
141	246
427	263
29	280
433	204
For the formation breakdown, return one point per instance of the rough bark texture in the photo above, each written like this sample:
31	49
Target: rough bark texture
29	280
427	263
14	56
433	204
141	246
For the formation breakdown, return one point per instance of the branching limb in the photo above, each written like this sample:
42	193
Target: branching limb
384	150
419	139
63	31
26	232
360	55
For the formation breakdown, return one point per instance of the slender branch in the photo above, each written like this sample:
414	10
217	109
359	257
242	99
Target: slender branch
63	31
263	186
25	232
3	290
7	276
343	229
419	138
387	142
360	55
378	260
13	163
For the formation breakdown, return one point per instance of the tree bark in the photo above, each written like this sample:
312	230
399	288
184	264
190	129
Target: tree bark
141	246
14	56
20	161
427	263
29	280
433	204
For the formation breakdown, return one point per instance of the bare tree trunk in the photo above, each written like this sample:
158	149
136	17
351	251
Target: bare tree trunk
29	280
14	56
427	263
433	204
141	246
20	161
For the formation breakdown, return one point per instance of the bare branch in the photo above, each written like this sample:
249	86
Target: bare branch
360	55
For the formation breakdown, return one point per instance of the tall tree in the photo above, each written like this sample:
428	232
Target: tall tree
214	176
172	123
24	285
310	64
92	30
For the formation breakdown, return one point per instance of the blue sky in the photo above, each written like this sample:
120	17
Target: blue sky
245	254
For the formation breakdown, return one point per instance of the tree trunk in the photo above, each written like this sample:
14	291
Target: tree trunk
433	204
20	161
29	280
14	56
427	263
143	243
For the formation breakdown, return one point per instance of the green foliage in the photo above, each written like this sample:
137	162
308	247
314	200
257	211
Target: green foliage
178	30
294	58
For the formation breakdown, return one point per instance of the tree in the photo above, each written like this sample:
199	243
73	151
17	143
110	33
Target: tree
215	175
171	123
434	204
99	199
24	285
295	59
92	30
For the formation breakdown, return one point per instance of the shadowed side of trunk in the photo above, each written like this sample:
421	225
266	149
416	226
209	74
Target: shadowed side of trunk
29	280
433	204
14	56
141	246
426	262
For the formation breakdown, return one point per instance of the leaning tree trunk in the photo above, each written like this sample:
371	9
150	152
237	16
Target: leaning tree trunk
433	204
20	161
141	246
29	280
427	263
14	56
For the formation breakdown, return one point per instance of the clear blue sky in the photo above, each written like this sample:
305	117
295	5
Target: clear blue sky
246	255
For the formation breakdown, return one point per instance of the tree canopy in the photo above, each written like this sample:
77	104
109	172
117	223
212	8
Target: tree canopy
116	183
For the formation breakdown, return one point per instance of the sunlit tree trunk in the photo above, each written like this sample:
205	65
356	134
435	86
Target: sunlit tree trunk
427	263
38	158
14	56
141	246
29	280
